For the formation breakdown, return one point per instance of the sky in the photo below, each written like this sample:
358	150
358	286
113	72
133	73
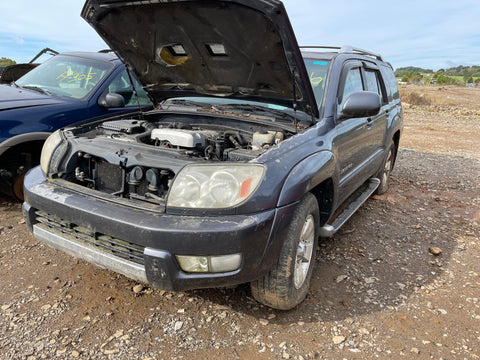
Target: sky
431	34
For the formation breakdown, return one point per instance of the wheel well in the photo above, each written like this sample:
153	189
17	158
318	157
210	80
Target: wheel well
396	141
26	154
324	194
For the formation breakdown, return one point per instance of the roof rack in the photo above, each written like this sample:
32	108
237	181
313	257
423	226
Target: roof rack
346	49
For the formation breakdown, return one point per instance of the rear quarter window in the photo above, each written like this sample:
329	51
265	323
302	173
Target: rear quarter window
390	83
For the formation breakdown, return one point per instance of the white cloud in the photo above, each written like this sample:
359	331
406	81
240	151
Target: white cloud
18	40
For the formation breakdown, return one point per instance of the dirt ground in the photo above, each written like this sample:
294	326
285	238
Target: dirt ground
377	290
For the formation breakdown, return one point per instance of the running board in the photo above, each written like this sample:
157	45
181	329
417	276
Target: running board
329	229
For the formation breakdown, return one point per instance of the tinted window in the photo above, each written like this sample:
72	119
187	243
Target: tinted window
390	83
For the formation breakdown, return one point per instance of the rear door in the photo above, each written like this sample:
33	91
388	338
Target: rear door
376	125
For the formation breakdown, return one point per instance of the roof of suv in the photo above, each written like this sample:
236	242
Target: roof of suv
329	52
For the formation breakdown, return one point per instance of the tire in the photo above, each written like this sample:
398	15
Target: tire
286	284
387	167
17	187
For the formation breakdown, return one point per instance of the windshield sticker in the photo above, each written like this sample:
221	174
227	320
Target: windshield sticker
70	76
320	63
315	80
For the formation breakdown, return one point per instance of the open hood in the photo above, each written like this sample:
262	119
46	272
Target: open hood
243	49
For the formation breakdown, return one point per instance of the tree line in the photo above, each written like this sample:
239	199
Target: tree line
6	61
451	76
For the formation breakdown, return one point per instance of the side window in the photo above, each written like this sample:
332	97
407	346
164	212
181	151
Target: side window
390	83
121	85
372	79
353	83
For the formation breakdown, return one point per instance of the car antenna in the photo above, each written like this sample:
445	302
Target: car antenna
134	90
294	93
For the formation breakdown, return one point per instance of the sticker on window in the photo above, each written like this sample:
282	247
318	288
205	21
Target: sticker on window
315	80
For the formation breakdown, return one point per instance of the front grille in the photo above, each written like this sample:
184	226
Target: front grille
105	243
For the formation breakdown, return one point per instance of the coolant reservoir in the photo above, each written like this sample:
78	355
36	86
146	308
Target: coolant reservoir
266	138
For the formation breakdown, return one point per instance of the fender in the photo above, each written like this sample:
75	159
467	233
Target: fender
21	139
307	174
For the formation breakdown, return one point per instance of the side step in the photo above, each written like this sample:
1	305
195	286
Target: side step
329	229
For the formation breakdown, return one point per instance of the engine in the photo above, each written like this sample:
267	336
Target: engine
95	166
209	142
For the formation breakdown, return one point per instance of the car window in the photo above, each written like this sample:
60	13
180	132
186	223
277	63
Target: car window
317	71
390	82
353	83
66	76
372	79
121	85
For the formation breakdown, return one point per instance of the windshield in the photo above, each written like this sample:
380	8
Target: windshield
66	76
317	71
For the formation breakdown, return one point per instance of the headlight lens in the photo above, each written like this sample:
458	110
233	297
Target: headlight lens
214	186
49	147
209	264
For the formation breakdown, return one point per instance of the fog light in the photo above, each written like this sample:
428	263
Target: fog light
209	264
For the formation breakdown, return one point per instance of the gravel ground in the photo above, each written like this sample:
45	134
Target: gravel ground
401	280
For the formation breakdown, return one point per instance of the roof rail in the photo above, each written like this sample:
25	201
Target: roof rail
346	49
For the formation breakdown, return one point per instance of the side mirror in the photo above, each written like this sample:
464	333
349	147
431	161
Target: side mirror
111	100
362	104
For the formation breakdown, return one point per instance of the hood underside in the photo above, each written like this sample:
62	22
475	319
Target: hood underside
229	48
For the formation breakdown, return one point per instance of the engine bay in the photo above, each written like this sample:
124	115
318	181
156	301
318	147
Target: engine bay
211	142
138	159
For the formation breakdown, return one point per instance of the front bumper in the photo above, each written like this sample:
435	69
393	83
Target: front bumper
142	245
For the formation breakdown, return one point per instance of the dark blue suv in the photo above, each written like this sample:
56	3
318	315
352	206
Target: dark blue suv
63	90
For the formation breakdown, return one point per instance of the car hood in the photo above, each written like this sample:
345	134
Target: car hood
13	98
243	49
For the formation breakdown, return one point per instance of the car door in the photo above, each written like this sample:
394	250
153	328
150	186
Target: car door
119	83
377	124
351	134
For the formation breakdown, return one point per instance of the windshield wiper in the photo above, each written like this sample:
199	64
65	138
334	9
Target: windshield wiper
36	88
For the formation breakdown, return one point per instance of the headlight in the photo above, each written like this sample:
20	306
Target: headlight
214	186
49	147
209	264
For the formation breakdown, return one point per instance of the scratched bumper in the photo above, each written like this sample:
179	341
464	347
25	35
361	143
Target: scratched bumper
157	238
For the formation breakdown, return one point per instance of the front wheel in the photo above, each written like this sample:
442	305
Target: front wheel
287	283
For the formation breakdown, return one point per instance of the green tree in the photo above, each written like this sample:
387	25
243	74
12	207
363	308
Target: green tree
6	61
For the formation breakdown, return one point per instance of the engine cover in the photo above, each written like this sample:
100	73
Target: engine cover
182	138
